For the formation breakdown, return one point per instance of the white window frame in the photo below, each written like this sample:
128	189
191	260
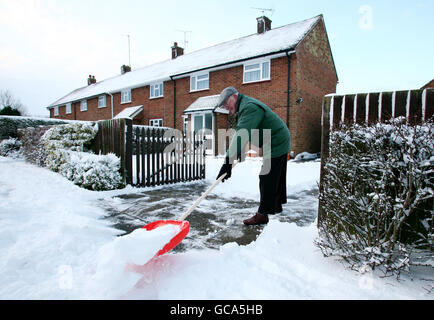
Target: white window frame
68	108
83	105
56	110
156	90
156	122
126	96
102	101
261	67
195	81
184	123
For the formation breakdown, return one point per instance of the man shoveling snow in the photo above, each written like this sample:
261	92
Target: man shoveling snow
256	122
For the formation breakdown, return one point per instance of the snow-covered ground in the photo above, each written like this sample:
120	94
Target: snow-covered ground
56	244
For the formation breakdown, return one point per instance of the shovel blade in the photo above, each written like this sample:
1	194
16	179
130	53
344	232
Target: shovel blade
184	227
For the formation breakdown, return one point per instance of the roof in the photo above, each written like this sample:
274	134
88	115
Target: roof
129	113
429	85
274	41
208	103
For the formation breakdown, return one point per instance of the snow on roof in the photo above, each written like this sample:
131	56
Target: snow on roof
274	41
208	103
129	113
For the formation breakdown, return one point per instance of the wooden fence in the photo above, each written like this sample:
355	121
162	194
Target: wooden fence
416	106
152	156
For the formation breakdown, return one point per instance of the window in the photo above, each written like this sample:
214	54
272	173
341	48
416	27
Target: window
156	90
56	110
68	108
156	122
83	105
126	96
257	71
102	102
199	81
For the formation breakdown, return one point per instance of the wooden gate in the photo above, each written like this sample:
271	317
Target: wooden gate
151	156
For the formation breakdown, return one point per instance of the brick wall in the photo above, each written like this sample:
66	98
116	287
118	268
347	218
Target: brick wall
316	77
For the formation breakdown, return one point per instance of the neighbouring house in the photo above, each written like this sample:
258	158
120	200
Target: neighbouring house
290	68
429	85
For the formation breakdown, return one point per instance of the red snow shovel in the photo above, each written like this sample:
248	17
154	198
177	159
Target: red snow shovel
184	226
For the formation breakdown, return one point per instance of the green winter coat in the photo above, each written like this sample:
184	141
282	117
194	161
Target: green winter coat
253	114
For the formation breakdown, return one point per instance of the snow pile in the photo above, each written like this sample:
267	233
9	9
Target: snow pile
117	260
55	244
63	146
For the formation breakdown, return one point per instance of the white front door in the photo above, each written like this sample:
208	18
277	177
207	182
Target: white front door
204	121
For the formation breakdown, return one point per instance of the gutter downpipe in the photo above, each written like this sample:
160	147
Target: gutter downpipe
288	55
174	102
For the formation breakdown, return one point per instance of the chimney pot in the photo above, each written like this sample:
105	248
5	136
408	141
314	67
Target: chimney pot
263	24
91	80
176	51
125	69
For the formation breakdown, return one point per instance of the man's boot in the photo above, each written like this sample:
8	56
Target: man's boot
256	219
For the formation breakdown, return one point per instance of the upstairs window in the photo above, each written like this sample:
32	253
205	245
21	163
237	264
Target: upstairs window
257	71
102	101
126	96
68	108
199	81
156	122
83	105
156	90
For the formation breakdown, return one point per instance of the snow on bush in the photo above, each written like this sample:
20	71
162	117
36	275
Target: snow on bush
378	195
10	148
64	147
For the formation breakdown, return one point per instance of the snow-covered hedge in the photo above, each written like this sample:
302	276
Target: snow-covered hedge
64	147
9	125
10	147
378	195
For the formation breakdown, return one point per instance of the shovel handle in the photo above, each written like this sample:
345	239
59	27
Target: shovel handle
196	203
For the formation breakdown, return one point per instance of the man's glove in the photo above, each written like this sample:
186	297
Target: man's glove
226	168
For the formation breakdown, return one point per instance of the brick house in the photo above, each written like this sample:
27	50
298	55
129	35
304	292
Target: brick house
289	68
429	85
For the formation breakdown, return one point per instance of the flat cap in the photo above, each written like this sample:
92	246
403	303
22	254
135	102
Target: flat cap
225	94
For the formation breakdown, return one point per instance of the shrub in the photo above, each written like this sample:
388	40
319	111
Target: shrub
378	195
10	147
64	147
95	172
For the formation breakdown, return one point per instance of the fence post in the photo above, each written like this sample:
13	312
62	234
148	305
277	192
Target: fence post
128	148
148	157
325	138
142	156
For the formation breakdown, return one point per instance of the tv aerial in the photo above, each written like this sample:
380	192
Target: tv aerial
263	10
185	36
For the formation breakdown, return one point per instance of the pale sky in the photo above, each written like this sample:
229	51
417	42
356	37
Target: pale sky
48	48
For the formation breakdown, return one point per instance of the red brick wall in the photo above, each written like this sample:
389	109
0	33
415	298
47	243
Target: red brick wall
315	78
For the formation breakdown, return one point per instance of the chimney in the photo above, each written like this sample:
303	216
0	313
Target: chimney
264	24
177	51
91	80
125	69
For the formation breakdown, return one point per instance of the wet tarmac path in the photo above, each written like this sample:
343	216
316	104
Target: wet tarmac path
216	221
